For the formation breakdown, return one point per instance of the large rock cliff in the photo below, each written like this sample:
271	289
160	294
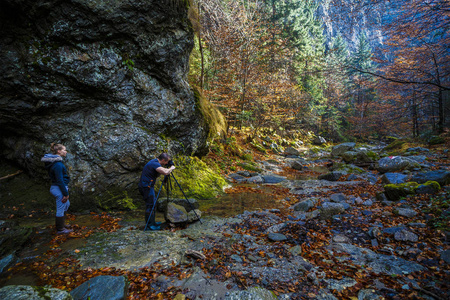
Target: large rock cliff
105	78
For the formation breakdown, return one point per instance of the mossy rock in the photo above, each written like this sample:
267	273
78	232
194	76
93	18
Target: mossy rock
395	145
429	187
249	166
259	147
216	122
396	191
198	179
436	140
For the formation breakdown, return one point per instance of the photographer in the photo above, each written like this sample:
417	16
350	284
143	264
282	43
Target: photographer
147	182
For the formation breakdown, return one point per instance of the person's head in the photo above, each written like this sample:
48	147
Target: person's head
163	158
58	149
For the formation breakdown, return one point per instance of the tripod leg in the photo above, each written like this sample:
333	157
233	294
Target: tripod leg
192	208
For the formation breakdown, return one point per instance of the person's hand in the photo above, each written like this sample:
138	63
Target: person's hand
64	199
172	168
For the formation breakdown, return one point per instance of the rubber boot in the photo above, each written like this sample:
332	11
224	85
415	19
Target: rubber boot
59	224
150	220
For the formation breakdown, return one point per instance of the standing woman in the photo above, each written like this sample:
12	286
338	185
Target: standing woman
60	180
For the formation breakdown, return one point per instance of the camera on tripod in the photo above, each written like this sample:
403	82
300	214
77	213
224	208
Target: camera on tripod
170	163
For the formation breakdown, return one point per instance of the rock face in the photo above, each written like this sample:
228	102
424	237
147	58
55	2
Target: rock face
105	78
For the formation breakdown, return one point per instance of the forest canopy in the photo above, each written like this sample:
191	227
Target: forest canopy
341	69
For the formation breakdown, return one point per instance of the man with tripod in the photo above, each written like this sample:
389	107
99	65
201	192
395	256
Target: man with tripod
146	186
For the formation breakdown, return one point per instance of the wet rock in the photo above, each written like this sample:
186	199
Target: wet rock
318	140
305	205
276	237
296	165
429	187
445	256
395	163
188	204
379	263
340	285
368	203
176	213
406	236
271	178
102	287
236	177
7	261
291	151
341	148
13	237
338	198
393	178
25	292
440	176
253	293
418	149
406	212
369	294
329	209
244	173
332	176
276	228
296	250
201	286
255	179
341	239
393	230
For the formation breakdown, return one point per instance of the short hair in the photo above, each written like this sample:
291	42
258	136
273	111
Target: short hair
164	156
54	147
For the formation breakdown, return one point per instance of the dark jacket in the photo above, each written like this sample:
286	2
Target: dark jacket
57	172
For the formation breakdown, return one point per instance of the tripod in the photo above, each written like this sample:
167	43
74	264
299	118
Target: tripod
167	181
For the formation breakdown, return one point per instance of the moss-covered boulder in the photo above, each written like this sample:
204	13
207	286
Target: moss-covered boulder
197	178
436	140
429	187
396	191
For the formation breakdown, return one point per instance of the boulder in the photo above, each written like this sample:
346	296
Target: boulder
332	176
338	198
359	156
318	140
271	178
406	236
276	237
440	176
253	293
329	209
305	205
102	287
25	292
176	214
341	148
296	165
429	187
255	179
393	178
406	212
291	151
396	191
395	163
188	205
418	149
108	79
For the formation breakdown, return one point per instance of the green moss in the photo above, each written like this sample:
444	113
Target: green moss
247	156
397	144
436	140
115	200
372	155
42	292
397	191
435	185
249	166
259	147
215	121
197	179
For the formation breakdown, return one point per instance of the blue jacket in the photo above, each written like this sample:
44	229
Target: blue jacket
57	172
149	173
